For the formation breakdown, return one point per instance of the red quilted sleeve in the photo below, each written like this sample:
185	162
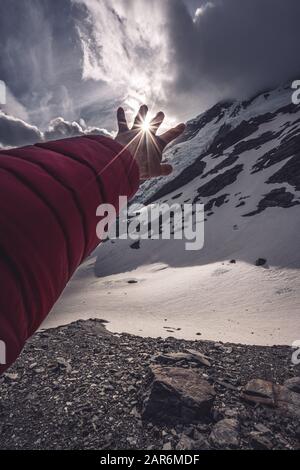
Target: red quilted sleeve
49	194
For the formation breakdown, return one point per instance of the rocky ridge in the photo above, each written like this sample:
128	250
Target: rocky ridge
80	387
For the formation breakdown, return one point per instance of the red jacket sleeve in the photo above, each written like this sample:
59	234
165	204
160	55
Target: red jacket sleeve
49	194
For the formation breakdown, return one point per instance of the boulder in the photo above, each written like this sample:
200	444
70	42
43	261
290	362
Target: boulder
259	391
278	396
177	395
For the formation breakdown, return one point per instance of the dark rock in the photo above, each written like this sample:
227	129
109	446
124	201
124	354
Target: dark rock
185	443
226	385
288	150
293	384
260	442
218	183
199	357
215	202
259	391
278	197
260	262
135	245
187	175
200	441
190	355
225	434
177	395
55	402
287	401
277	396
261	428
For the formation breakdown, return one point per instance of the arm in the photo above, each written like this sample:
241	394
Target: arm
49	195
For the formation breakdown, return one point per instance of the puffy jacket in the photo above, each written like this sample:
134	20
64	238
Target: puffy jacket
49	194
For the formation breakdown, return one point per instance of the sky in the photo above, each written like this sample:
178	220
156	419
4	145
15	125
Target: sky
68	64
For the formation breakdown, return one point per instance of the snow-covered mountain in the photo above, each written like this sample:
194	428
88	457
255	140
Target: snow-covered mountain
242	160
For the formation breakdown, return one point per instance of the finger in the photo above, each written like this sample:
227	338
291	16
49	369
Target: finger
172	134
140	116
156	122
122	123
153	156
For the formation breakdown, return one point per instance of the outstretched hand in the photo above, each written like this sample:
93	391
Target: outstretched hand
143	143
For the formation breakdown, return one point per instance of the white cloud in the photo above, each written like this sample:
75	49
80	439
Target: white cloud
125	44
201	10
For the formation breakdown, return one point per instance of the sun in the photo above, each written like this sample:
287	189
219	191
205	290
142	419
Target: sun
145	125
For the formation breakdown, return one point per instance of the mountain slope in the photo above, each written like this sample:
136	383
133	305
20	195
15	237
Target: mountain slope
242	160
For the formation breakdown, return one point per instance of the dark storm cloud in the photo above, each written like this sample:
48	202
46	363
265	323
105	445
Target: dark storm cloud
233	47
41	59
15	132
82	58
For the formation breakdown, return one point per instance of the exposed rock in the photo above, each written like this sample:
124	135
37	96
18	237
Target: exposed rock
293	384
177	395
190	355
260	442
200	441
187	175
259	391
199	357
225	384
63	364
98	405
225	434
167	446
185	443
216	202
260	262
287	401
218	183
278	197
135	245
262	428
231	413
11	376
288	150
277	396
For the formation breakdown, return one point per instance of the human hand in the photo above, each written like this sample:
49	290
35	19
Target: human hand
143	143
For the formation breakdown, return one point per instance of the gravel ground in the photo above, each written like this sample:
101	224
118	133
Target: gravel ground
81	387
